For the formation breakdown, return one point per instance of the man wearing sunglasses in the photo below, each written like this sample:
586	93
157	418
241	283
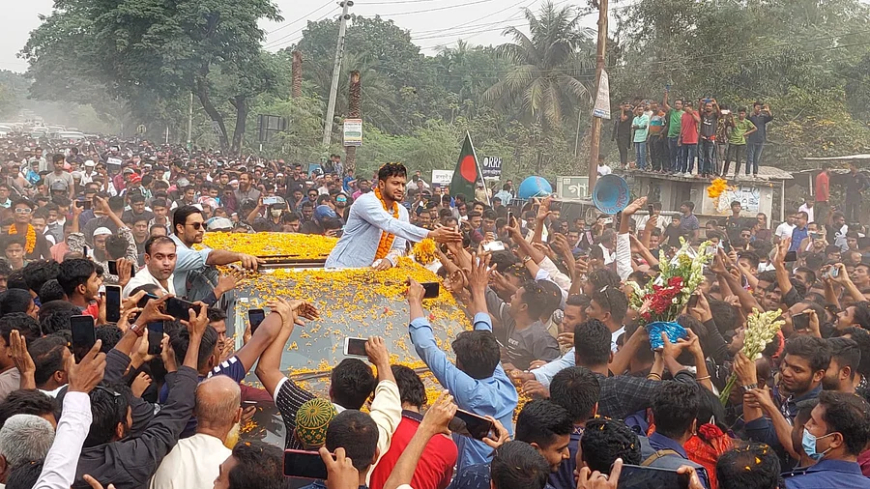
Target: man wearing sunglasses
22	210
189	228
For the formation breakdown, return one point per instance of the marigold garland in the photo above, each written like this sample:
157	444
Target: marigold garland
30	237
386	242
301	246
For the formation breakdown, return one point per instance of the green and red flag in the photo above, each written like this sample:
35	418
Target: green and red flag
467	173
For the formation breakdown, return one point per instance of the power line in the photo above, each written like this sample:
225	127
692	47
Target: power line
276	42
309	14
448	7
396	3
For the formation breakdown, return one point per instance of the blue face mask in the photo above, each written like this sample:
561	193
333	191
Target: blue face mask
808	442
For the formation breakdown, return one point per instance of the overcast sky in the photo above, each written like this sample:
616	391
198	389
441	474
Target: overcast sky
432	22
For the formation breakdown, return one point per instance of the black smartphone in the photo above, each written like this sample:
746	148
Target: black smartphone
83	204
801	321
113	303
791	256
85	252
155	338
178	308
255	317
637	477
83	333
144	300
113	269
432	290
650	209
693	302
510	218
355	347
470	425
307	465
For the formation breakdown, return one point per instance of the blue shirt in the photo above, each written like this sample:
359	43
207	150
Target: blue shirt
188	260
564	477
493	396
366	221
661	442
478	476
829	474
797	235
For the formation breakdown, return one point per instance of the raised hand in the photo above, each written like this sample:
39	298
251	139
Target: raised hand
88	373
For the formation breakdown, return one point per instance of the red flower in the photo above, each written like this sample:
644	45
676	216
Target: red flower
676	282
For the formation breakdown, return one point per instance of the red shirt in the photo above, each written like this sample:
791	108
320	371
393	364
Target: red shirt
823	191
435	468
689	128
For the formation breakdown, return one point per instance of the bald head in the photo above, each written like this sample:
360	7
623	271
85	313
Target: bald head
218	404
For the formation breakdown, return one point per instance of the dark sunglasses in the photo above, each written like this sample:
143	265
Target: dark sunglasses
196	225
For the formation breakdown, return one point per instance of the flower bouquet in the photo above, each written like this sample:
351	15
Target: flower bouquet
761	328
663	299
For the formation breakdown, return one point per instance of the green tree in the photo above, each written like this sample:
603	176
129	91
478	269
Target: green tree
547	78
209	47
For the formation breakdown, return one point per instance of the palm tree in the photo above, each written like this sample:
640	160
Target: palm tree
552	67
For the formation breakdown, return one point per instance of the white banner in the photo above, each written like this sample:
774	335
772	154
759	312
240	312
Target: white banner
353	132
602	98
444	177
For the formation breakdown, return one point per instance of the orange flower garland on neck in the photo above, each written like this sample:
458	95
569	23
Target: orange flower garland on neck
386	242
30	237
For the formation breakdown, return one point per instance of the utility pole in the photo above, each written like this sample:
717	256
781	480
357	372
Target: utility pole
336	71
190	123
596	121
353	112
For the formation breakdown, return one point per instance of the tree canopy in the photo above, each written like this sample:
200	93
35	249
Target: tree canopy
526	101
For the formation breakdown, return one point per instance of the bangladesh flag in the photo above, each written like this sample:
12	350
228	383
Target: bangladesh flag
467	173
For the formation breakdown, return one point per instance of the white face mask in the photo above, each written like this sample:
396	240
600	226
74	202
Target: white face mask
276	212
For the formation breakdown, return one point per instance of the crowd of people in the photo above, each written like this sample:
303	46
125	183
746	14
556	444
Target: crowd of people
669	138
556	361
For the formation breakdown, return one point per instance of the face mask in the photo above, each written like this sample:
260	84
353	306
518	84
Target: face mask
808	442
276	212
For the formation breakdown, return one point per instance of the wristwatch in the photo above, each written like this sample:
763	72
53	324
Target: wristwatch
526	259
747	388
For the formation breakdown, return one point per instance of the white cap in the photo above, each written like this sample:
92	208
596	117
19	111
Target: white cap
90	163
102	231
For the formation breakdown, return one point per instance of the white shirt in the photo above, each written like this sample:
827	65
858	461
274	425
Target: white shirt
604	170
784	230
87	178
809	211
194	463
143	277
59	468
615	336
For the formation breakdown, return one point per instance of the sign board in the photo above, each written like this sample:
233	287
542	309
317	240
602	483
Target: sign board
442	177
491	167
353	132
573	187
114	161
749	198
268	126
141	129
602	98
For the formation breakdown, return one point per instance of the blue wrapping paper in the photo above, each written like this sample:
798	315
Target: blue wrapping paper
673	330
